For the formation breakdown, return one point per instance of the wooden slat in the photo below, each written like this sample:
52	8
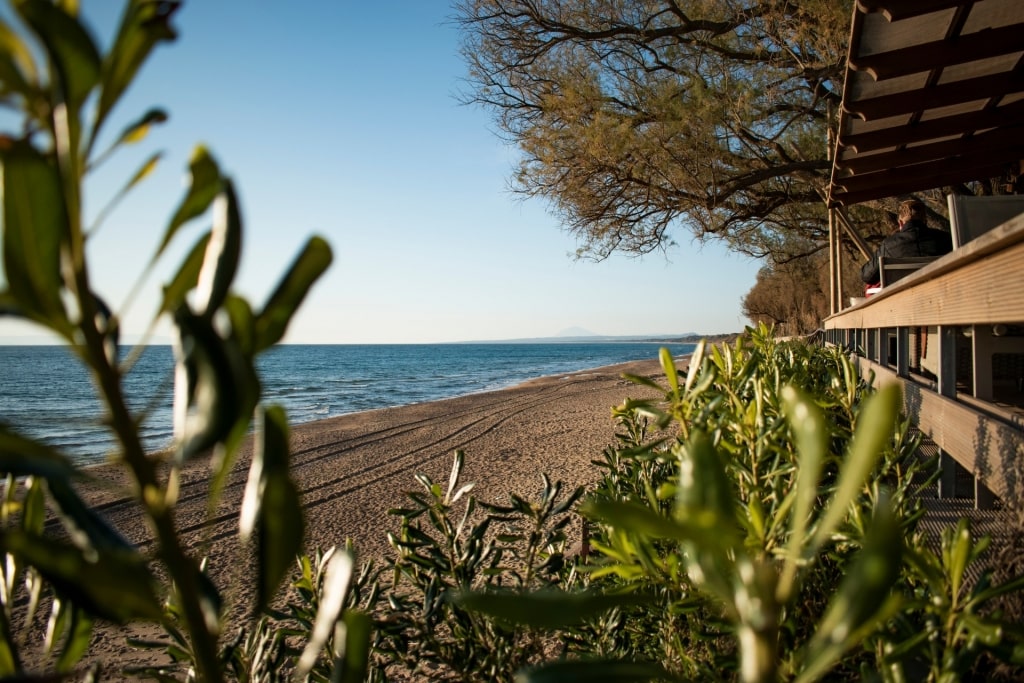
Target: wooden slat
988	448
979	283
894	10
943	95
895	177
991	42
914	183
985	292
959	124
1005	140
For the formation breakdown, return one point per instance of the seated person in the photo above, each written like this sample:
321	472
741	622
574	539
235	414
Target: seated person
913	238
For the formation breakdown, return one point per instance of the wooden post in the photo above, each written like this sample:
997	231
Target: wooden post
981	359
947	361
841	303
947	388
833	302
982	348
903	352
983	498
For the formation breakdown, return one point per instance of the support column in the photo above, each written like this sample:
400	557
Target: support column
982	347
903	352
947	387
841	302
983	498
833	302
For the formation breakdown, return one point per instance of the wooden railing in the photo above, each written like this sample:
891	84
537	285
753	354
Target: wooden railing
973	296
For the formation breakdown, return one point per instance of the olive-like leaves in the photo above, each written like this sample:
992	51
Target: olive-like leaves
204	184
71	50
113	584
273	320
35	225
544	609
271	504
144	24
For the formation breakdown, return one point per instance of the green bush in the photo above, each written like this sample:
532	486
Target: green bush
444	548
773	538
90	571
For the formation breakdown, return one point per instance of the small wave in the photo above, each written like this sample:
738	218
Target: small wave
287	391
349	382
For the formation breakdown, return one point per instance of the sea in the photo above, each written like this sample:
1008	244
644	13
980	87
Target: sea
46	394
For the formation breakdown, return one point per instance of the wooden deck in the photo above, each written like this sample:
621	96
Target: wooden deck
944	512
978	422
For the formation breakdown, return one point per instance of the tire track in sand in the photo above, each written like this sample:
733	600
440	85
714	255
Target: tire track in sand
469	419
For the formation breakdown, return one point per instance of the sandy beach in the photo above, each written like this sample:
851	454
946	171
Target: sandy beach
352	469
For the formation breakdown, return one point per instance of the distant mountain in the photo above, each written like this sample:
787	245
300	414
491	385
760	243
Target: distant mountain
576	332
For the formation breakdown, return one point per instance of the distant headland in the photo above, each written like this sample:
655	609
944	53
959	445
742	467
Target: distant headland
685	338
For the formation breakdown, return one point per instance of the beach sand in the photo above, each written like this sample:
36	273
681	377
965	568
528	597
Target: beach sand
352	469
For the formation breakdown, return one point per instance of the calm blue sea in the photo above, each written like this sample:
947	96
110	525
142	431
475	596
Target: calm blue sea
46	394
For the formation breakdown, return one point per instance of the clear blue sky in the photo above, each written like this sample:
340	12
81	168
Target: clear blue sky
340	118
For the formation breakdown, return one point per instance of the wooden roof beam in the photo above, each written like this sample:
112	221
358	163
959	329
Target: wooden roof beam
894	10
896	185
928	173
990	42
998	117
995	140
965	166
944	95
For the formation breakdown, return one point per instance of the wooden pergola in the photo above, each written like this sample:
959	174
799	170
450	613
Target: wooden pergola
934	97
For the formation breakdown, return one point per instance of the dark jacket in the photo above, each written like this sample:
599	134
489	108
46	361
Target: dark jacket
915	239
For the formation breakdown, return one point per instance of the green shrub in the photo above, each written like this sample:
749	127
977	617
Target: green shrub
447	545
90	571
774	538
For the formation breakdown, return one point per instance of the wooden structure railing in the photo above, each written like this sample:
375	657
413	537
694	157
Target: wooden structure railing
976	288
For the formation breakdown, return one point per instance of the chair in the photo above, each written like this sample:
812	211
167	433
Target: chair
894	268
971	217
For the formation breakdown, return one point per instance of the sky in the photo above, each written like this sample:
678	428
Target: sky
341	118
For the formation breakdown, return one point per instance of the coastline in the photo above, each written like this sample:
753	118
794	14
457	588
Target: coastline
351	469
312	382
